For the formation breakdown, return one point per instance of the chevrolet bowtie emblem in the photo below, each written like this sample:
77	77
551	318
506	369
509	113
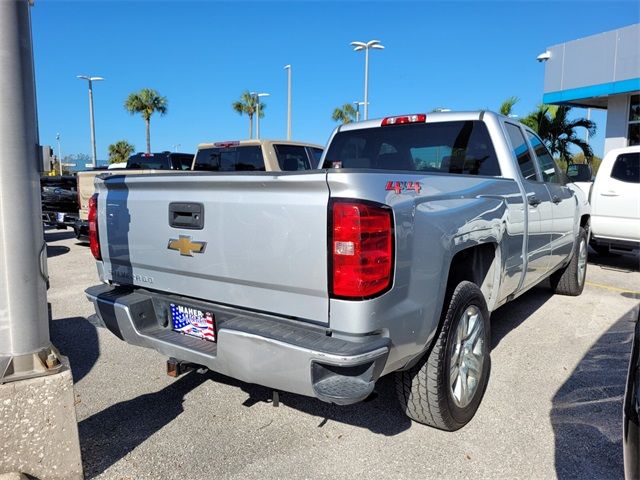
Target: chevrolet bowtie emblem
185	246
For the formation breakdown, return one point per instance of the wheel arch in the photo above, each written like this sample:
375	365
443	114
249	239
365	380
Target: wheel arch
479	264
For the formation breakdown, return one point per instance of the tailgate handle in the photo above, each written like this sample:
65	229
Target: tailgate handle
186	215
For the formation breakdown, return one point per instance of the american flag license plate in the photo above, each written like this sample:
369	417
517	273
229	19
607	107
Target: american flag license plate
193	321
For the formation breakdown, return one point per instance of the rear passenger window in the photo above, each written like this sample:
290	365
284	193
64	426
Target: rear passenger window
316	155
181	162
232	159
627	168
462	147
521	151
292	158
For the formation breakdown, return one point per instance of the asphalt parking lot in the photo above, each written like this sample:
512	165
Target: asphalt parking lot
552	407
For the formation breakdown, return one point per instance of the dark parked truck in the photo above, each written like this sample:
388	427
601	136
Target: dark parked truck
388	259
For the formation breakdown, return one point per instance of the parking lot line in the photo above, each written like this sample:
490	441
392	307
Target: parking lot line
609	287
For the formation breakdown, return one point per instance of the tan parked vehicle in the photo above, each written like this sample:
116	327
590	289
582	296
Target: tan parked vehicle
257	155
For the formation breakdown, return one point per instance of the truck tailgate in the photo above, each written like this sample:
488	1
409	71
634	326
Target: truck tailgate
265	238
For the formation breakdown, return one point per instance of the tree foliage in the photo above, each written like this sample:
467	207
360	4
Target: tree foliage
506	108
146	102
120	151
345	114
247	105
559	132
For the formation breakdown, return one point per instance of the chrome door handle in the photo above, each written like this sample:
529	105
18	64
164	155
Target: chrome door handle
534	201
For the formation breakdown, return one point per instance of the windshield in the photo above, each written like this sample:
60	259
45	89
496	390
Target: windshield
445	147
153	161
579	172
230	159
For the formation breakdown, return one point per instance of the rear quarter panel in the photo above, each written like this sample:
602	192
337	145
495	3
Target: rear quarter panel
449	214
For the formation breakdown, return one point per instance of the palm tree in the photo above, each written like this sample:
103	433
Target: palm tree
146	102
344	114
507	106
553	125
247	105
120	151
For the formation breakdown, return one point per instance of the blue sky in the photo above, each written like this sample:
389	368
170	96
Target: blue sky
202	55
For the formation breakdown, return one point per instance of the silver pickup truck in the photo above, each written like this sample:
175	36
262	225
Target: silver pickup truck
387	259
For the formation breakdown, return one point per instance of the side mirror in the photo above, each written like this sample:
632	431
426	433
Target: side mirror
579	172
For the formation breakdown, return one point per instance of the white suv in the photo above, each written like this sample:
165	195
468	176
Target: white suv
615	202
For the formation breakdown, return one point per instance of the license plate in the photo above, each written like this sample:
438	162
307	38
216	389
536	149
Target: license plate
193	321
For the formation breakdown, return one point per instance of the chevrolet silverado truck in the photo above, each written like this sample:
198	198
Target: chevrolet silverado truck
387	259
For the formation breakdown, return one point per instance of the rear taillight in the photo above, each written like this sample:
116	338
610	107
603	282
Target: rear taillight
361	249
94	239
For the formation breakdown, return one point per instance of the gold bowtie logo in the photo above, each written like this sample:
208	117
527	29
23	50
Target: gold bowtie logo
185	246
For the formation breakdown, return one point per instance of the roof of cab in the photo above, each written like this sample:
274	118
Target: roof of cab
431	117
257	142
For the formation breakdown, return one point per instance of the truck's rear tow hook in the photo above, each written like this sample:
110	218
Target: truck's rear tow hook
176	367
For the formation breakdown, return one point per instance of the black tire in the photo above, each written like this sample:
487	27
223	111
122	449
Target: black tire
570	279
423	391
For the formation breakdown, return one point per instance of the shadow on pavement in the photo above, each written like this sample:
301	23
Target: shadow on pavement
624	263
77	339
54	251
513	314
379	414
109	435
586	415
57	235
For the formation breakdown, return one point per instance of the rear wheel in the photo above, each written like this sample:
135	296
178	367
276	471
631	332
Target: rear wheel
570	279
445	388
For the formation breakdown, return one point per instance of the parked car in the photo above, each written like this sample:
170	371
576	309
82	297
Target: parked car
160	161
631	412
581	175
59	200
388	260
615	202
257	155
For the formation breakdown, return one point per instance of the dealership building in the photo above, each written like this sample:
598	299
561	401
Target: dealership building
600	71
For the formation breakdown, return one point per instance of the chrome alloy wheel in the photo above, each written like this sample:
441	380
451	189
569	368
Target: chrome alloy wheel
467	356
582	262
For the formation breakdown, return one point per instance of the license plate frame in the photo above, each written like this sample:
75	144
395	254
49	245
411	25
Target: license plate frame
193	321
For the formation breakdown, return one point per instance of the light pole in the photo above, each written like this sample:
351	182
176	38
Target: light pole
59	153
38	415
93	129
357	104
587	130
176	146
258	96
358	46
288	68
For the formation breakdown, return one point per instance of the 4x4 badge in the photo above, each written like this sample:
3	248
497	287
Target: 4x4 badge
400	187
185	246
